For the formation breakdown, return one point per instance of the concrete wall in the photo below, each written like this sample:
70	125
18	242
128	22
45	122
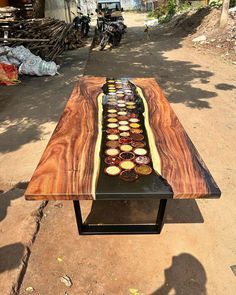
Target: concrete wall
131	4
58	9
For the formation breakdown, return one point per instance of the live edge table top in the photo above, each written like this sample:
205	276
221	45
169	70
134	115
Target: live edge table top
119	139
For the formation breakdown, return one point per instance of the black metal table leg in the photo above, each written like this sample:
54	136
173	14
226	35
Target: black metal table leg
94	229
78	216
161	214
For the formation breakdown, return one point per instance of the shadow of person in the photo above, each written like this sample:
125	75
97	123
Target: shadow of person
7	197
11	256
186	276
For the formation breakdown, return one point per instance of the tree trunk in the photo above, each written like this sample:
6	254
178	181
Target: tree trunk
224	14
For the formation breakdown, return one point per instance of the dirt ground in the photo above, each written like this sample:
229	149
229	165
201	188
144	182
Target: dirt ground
197	246
28	115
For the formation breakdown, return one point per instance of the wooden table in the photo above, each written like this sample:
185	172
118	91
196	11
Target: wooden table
102	118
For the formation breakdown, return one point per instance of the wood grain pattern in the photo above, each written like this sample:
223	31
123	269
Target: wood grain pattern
66	168
181	165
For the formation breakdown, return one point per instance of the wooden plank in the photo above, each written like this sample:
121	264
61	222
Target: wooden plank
66	168
181	165
23	40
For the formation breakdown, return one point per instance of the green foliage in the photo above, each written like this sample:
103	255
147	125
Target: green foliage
232	3
165	11
158	12
171	7
184	7
215	3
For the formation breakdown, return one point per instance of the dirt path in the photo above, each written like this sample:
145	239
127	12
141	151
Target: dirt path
190	257
28	115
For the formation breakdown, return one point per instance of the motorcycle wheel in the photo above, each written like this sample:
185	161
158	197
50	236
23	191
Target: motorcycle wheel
115	40
103	42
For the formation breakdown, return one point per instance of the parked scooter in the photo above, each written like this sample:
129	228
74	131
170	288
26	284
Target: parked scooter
82	22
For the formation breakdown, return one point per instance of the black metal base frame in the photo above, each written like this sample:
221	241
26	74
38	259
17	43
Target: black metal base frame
94	229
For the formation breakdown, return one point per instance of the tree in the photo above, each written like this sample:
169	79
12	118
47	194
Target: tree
224	13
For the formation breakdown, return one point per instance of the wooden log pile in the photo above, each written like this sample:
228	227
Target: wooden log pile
45	37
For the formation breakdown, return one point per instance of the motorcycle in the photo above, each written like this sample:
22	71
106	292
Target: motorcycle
111	34
82	23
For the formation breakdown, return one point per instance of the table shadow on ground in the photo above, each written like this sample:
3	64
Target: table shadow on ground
133	212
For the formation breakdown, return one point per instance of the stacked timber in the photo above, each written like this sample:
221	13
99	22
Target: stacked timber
45	37
8	14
